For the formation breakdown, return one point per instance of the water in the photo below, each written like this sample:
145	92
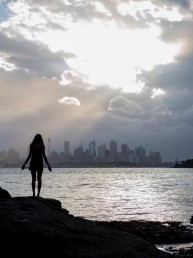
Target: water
162	194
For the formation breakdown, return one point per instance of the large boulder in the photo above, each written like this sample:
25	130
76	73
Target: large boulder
41	227
4	194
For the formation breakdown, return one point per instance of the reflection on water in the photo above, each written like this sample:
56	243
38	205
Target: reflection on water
113	193
175	248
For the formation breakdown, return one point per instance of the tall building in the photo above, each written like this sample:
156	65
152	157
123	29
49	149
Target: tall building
113	149
92	149
157	158
131	156
102	152
124	153
141	153
54	156
79	154
151	158
124	149
66	149
61	157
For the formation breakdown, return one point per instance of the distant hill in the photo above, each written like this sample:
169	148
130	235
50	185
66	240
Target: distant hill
184	164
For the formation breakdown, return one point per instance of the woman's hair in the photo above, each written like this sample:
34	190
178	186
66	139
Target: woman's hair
38	139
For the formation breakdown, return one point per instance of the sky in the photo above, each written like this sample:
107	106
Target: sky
83	70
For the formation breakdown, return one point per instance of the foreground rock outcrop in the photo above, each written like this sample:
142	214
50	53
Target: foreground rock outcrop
39	227
156	232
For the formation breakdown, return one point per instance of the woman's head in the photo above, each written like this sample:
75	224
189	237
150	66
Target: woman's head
38	139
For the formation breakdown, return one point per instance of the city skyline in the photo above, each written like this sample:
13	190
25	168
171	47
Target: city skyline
67	148
119	145
97	70
92	154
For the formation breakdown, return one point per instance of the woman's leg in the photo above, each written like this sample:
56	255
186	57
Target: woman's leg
39	182
33	174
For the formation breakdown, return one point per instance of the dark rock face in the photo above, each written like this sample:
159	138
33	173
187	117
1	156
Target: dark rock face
4	194
156	232
40	227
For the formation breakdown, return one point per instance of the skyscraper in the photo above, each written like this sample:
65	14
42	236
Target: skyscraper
102	152
157	159
141	153
92	149
124	153
66	149
124	149
113	149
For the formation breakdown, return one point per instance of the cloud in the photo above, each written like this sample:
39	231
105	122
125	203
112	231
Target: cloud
185	116
32	56
161	110
176	75
125	106
179	3
101	10
69	101
74	79
32	34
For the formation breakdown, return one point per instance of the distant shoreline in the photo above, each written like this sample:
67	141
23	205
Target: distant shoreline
184	164
101	165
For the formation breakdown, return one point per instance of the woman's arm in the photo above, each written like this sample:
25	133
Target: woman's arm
28	158
46	160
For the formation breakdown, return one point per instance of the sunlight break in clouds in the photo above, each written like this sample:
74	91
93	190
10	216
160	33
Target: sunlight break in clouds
6	65
106	53
112	69
69	101
110	55
157	92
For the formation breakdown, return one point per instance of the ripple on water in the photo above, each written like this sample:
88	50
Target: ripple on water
144	193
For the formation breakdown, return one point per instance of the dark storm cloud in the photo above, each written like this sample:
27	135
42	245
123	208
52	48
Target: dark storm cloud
176	76
32	56
168	3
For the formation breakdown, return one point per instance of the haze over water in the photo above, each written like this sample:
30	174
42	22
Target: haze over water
160	194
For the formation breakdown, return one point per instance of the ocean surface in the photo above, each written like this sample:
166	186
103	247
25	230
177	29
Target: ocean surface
162	194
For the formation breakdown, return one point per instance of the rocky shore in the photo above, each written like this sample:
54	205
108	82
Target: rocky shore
39	227
171	236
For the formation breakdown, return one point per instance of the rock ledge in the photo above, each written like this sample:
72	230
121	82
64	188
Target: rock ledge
42	227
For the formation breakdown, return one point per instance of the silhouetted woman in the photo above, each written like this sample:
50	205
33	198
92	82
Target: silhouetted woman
37	155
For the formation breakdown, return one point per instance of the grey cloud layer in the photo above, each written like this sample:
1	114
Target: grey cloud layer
32	56
29	103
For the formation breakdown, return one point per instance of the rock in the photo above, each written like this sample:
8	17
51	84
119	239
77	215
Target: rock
40	227
156	232
4	194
